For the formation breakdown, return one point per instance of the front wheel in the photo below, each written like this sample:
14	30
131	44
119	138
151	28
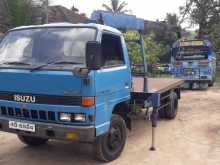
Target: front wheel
109	146
32	141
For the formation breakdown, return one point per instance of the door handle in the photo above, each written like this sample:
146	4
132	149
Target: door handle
127	85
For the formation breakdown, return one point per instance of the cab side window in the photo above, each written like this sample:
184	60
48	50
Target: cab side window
112	50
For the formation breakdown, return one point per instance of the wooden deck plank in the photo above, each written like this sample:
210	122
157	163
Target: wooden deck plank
155	85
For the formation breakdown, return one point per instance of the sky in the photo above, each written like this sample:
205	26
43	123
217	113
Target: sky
147	9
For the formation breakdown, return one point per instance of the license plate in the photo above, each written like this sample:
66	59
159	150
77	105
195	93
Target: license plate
22	126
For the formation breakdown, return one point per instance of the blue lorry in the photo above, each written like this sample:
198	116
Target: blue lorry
74	82
194	61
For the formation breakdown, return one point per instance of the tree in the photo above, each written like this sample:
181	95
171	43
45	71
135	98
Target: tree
26	12
172	19
153	50
19	12
204	13
116	7
74	9
214	36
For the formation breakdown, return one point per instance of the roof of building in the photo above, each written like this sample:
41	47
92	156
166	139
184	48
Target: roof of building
62	14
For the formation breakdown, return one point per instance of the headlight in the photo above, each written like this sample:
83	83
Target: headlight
80	117
65	117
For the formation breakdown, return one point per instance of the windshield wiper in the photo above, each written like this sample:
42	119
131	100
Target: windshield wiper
16	63
55	62
66	62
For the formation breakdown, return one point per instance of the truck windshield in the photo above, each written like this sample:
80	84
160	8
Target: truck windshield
45	45
191	53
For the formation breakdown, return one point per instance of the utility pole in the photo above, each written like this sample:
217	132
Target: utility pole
46	4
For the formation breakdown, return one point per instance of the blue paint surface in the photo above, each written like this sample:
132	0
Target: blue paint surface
118	21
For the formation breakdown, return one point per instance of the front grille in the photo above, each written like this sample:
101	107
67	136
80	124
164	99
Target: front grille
44	99
39	115
204	77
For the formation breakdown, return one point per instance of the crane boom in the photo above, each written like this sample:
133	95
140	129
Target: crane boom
118	20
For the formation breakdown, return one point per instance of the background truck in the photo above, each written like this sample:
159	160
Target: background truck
194	61
73	82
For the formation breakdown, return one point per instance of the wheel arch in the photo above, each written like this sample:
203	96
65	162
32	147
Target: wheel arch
123	109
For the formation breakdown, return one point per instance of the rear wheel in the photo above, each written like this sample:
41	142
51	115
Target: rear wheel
32	141
211	84
170	111
109	146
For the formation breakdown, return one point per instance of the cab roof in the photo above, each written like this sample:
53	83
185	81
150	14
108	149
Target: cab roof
63	24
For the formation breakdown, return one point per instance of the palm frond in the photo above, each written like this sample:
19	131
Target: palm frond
121	7
116	7
126	11
114	4
107	7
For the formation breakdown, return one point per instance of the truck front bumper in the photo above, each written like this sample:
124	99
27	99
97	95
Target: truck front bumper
198	80
52	131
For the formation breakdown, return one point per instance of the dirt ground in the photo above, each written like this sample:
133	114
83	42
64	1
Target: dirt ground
192	138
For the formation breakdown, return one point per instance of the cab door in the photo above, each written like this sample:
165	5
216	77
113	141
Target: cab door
112	81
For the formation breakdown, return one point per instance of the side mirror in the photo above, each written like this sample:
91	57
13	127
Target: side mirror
94	57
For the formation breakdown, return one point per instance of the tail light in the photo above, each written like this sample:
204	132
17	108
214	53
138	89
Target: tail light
178	63
206	62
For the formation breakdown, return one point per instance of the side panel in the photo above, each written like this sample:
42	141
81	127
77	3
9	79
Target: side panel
112	87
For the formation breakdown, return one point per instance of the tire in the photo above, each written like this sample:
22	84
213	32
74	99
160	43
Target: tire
211	84
110	146
32	141
171	111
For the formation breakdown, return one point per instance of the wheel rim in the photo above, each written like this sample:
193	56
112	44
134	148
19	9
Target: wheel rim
115	138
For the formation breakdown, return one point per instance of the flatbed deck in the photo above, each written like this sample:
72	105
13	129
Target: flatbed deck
155	85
